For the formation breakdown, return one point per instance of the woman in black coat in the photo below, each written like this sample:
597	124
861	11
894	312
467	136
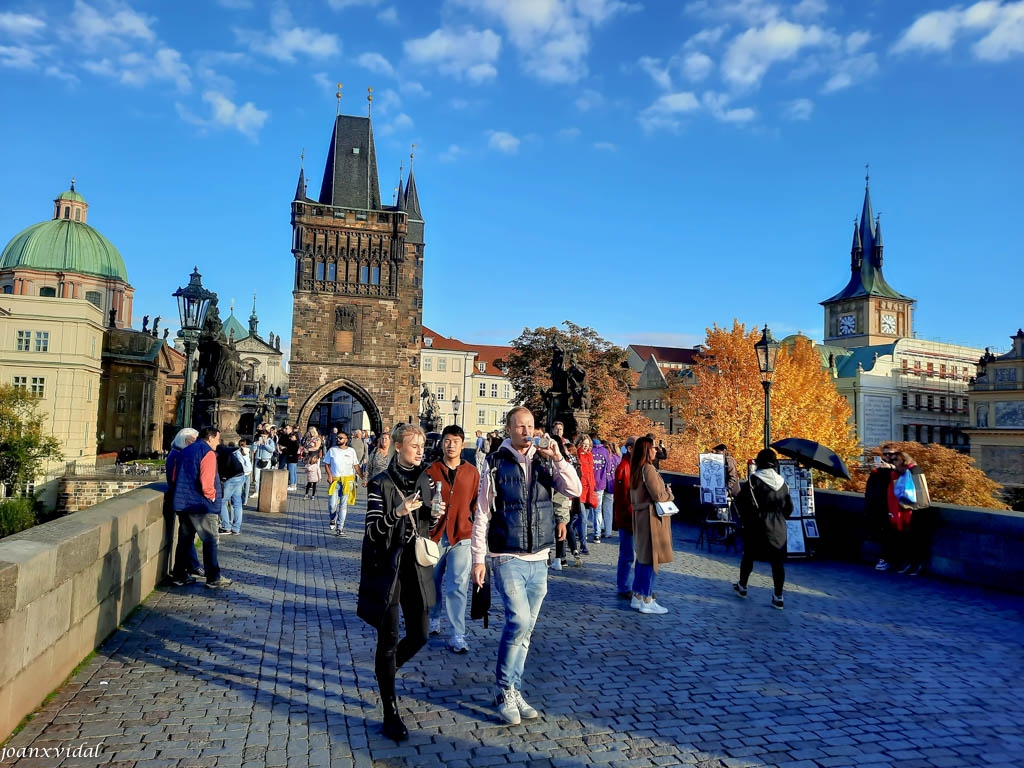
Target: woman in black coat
397	509
764	504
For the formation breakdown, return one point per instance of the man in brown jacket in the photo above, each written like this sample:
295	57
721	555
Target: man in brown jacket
459	481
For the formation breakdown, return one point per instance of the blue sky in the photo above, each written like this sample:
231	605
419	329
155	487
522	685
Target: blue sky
646	168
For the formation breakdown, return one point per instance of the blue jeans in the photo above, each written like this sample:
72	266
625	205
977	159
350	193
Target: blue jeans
293	474
452	572
643	580
580	526
338	497
206	527
608	512
231	505
597	516
625	560
522	585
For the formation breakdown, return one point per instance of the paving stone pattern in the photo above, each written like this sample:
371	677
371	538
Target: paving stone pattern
860	669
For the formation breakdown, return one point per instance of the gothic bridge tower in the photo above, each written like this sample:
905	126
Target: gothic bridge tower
358	293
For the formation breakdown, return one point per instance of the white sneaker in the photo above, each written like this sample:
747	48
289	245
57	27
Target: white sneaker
458	644
881	565
293	488
508	706
652	607
635	603
556	565
334	526
435	626
526	712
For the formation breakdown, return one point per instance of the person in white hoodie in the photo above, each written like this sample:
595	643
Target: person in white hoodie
764	504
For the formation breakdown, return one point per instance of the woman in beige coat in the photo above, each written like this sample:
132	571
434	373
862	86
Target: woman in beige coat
652	535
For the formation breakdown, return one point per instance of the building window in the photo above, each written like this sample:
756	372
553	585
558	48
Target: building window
94	297
483	389
917	401
942	404
48	292
931	368
482	367
122	404
442	364
42	341
20	382
440	391
319	270
24	341
494	417
167	391
364	274
906	433
931	402
78	214
67	212
38	386
89	389
375	275
428	363
494	389
504	416
481	416
906	363
905	398
332	272
8	289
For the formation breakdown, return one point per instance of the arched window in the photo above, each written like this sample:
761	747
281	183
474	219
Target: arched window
122	404
332	271
78	214
319	270
67	212
51	292
364	273
375	275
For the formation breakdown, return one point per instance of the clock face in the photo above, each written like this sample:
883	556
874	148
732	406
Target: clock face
847	325
889	324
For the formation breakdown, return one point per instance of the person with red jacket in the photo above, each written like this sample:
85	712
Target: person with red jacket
458	481
622	519
588	499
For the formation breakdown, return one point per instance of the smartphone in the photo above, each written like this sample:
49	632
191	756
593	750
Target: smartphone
878	461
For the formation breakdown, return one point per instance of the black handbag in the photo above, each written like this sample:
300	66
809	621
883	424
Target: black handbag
480	605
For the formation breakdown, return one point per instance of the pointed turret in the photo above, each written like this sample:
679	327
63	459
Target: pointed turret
877	255
253	320
411	204
867	222
300	188
350	174
857	249
400	200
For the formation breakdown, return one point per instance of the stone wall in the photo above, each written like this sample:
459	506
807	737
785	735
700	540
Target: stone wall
76	493
66	585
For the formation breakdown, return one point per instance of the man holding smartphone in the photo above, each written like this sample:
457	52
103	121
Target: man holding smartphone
515	525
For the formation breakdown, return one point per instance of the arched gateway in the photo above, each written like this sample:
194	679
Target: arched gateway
358	293
341	404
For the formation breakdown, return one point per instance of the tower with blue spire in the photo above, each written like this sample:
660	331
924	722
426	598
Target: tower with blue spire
868	310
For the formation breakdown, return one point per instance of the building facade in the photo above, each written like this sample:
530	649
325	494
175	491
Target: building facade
997	414
358	290
655	369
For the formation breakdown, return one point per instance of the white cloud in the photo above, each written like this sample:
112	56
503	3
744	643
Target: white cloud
750	12
286	39
1000	24
706	37
503	142
21	25
697	66
605	146
138	69
588	100
718	103
413	88
388	16
798	109
656	71
750	54
852	70
17	57
246	119
569	133
857	40
552	36
59	73
809	9
90	30
453	153
324	82
466	53
401	122
375	63
665	111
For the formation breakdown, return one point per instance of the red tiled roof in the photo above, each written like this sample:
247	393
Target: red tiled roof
485	353
674	355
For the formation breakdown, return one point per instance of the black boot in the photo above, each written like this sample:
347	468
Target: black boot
394	728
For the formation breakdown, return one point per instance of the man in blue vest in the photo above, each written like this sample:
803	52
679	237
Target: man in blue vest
515	521
198	493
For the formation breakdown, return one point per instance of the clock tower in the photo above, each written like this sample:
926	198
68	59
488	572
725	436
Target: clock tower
868	310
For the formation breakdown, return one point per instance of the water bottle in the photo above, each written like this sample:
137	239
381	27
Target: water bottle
435	501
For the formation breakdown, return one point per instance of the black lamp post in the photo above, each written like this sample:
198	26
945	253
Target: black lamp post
767	350
193	304
455	408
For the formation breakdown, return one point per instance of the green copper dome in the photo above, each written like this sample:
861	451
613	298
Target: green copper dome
63	245
71	195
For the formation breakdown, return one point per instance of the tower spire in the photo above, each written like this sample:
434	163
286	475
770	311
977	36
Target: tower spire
369	102
253	320
300	188
338	97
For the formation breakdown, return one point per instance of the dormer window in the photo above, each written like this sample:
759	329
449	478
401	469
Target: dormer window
428	341
481	367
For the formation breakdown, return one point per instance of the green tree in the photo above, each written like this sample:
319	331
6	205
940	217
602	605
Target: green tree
530	361
25	446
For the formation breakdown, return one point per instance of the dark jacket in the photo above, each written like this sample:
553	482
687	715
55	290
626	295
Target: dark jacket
763	512
876	498
390	539
523	520
188	490
288	445
622	511
228	465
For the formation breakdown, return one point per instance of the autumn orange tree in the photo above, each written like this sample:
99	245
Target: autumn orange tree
952	476
725	401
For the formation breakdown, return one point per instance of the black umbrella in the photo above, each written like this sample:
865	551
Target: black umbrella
813	455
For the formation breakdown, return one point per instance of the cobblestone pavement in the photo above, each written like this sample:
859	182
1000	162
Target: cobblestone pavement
861	669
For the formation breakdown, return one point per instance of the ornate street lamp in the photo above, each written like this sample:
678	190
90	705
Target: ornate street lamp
455	408
193	304
767	350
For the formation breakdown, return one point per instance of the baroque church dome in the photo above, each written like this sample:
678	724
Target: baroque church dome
65	243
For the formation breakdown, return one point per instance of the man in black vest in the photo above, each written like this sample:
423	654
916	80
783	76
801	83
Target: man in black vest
515	522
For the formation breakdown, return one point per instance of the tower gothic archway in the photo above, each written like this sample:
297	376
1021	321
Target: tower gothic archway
357	298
